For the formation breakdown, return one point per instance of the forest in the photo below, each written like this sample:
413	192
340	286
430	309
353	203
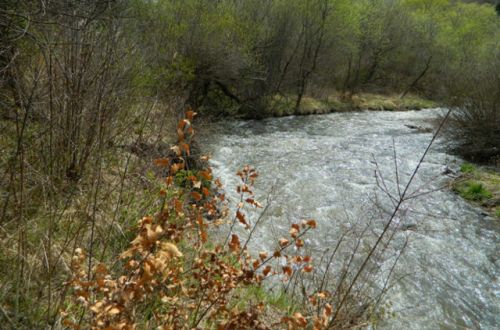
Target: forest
110	214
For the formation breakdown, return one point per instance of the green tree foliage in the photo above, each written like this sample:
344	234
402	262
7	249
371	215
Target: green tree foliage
88	88
237	55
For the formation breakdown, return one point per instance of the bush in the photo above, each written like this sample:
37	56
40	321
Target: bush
172	276
176	275
475	130
474	126
189	178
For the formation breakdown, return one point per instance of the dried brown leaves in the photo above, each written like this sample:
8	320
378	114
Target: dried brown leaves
171	278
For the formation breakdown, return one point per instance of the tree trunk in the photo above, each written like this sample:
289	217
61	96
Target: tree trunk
420	76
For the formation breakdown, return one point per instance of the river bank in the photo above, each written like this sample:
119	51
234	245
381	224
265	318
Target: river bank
480	186
451	243
284	105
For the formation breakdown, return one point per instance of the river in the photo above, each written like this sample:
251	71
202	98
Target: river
323	167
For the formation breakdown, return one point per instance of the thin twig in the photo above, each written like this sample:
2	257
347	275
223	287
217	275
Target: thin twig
387	225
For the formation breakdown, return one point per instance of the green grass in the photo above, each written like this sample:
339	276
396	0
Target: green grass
391	102
474	191
284	105
413	102
467	168
279	300
479	185
280	106
65	214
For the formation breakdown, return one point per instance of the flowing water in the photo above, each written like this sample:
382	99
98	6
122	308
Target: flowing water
323	167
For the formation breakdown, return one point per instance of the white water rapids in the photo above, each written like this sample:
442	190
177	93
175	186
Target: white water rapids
323	167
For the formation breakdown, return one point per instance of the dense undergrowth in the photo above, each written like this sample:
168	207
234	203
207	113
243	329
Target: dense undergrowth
92	91
176	275
174	270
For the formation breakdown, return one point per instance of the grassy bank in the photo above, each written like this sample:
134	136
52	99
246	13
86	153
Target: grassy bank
46	212
284	105
479	186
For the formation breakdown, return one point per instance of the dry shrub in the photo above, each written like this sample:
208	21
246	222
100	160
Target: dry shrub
174	277
474	127
68	112
475	130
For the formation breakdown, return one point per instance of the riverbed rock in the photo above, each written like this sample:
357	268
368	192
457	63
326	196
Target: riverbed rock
420	129
410	226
